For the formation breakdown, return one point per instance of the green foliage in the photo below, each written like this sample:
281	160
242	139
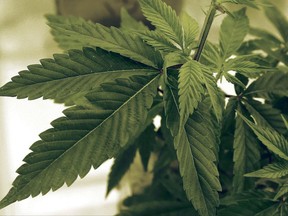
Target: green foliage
69	77
67	31
246	152
274	141
274	170
191	90
120	166
116	80
232	32
164	18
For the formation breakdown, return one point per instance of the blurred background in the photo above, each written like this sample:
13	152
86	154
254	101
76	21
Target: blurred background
24	39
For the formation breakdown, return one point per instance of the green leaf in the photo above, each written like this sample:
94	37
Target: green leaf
251	208
214	93
195	148
159	208
164	18
285	121
266	115
269	85
282	191
73	75
171	98
272	50
191	29
233	79
250	3
249	203
158	41
263	34
120	166
85	137
145	143
211	56
129	24
274	141
84	33
278	19
191	90
195	152
274	170
246	153
232	33
243	65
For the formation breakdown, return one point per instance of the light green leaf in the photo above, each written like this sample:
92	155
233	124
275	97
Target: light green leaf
278	19
174	58
211	56
246	153
285	121
282	191
128	23
164	18
85	137
76	33
232	33
274	170
274	141
120	166
243	65
191	89
250	3
68	76
213	91
195	152
232	79
268	85
158	41
191	30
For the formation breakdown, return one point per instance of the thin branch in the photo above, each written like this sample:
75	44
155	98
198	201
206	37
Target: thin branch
205	30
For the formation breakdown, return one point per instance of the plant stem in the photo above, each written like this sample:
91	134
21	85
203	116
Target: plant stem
205	30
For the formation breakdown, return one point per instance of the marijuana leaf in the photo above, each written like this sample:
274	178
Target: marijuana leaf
76	33
191	90
84	137
191	30
250	3
232	33
266	115
158	41
274	141
246	153
120	166
274	170
282	191
68	77
164	18
278	19
213	91
195	152
269	85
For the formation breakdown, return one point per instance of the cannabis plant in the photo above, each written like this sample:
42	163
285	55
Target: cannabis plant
216	153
